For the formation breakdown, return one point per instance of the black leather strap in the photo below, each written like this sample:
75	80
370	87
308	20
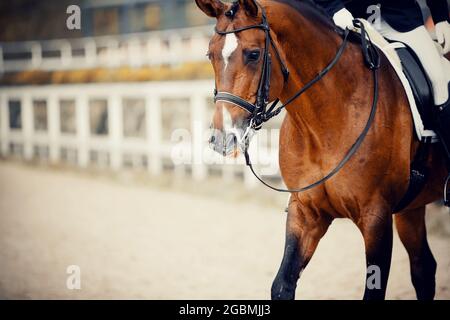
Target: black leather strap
316	79
370	53
237	30
238	101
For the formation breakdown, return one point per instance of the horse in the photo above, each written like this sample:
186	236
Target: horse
318	128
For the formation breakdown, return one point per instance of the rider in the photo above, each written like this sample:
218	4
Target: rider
402	20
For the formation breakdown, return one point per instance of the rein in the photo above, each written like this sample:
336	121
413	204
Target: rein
261	114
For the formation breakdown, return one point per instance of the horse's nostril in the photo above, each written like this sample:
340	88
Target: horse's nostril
212	139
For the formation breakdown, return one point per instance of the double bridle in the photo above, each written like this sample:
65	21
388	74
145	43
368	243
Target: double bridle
261	113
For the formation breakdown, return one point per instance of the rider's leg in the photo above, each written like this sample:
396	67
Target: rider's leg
423	45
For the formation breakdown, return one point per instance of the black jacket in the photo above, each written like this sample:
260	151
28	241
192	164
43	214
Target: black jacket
402	15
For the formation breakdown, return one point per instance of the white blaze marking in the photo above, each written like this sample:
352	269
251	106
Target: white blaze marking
228	127
226	118
231	44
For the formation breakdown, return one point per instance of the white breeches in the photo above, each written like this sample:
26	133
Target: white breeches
434	63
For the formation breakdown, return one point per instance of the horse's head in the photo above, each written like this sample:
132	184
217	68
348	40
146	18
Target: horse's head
238	59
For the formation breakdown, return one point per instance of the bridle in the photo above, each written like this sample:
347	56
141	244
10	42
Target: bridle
261	113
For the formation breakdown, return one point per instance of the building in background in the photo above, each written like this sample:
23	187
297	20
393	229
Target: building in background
121	16
22	20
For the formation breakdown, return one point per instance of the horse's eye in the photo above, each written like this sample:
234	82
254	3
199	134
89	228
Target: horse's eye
252	56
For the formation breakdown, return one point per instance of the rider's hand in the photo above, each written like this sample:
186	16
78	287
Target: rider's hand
344	19
443	35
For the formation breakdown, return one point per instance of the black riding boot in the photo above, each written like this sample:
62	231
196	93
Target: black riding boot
442	121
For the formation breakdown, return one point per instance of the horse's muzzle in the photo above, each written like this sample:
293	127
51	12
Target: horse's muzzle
225	143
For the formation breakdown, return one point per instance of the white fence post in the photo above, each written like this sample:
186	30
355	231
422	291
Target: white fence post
36	55
82	116
66	54
113	54
154	133
53	127
176	50
115	130
27	126
4	125
134	53
198	114
90	52
197	44
154	51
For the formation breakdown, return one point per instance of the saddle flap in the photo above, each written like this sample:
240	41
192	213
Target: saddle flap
413	79
420	83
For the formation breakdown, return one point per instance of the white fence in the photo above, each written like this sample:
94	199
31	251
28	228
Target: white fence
134	50
35	124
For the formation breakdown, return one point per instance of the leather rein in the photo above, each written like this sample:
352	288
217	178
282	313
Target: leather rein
261	113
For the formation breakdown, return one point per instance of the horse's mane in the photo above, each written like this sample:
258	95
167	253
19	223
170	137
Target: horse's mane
310	10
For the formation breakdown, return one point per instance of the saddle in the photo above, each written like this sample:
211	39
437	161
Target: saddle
419	82
423	97
419	91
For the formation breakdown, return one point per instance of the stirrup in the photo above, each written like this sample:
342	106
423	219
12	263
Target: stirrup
447	192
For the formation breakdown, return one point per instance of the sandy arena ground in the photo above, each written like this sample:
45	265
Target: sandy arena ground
138	242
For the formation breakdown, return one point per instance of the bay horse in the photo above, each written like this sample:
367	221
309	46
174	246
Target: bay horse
317	130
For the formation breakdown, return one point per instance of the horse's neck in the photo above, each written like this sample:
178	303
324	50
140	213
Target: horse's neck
309	48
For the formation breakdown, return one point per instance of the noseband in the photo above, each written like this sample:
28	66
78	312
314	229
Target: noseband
260	113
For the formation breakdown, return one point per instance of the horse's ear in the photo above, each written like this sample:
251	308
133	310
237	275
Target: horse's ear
250	7
212	8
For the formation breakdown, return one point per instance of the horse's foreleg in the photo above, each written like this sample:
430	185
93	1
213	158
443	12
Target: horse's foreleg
413	234
376	228
303	233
